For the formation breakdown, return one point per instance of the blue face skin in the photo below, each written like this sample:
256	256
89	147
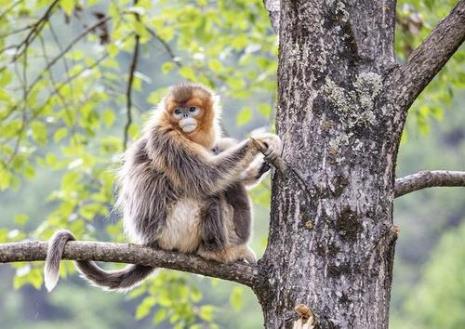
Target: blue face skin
186	112
186	117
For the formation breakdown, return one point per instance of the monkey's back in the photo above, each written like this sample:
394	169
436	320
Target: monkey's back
144	195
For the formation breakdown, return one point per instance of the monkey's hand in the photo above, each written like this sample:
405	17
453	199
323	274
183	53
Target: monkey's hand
269	144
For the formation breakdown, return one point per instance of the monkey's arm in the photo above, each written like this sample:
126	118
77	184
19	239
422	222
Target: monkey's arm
192	168
254	173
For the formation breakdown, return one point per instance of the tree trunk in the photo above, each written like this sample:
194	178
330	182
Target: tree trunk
331	241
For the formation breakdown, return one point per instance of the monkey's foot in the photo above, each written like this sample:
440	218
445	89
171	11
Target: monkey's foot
229	254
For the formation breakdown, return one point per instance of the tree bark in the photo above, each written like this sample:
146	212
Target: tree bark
343	102
331	240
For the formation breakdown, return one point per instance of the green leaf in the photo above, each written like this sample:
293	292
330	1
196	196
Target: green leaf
60	134
264	109
134	131
196	294
236	299
5	96
145	307
156	96
167	67
195	326
108	117
160	315
5	77
51	159
112	50
206	313
141	30
21	219
39	132
244	116
68	6
187	73
215	65
69	180
5	178
26	275
236	83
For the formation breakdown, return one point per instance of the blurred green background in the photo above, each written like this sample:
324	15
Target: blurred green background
63	114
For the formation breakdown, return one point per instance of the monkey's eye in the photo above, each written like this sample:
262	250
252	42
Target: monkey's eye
177	111
192	109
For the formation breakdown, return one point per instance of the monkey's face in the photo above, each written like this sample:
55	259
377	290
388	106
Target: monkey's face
187	117
189	108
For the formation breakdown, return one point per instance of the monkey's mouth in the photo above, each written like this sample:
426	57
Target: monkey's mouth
188	125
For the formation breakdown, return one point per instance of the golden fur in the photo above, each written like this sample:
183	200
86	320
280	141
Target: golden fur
176	194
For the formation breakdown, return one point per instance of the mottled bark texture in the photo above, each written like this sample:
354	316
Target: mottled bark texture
342	106
331	242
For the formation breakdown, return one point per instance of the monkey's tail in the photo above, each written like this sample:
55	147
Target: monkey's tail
123	279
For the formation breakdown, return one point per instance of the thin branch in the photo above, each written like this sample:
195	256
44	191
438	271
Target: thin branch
35	30
428	59
13	32
131	254
65	62
46	70
52	80
132	70
65	50
24	121
424	179
71	79
165	45
10	8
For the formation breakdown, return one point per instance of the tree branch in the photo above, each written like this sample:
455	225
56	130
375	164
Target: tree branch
428	59
132	70
132	254
165	45
424	179
35	30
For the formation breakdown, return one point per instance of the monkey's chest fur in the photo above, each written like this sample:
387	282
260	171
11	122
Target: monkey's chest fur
182	230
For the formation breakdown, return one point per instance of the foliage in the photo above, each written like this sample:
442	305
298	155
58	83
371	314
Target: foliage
64	71
437	300
424	216
415	20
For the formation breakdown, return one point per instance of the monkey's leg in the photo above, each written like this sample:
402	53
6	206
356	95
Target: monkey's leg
236	196
212	225
216	233
237	224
